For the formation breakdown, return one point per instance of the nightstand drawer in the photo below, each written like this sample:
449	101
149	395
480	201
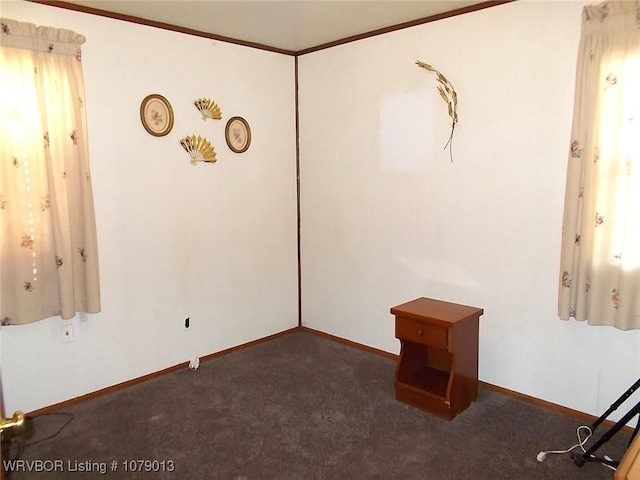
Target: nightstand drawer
423	333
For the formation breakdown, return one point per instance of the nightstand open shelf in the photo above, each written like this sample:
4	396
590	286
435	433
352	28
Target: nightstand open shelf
438	365
429	379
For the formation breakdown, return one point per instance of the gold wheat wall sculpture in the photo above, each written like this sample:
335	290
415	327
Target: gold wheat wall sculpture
449	95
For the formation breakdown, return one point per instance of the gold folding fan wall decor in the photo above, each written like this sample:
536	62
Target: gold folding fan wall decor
199	149
208	108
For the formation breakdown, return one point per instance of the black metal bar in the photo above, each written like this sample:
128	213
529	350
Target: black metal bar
614	406
587	455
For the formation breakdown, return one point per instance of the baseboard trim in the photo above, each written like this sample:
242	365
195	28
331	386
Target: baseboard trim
350	343
165	371
586	418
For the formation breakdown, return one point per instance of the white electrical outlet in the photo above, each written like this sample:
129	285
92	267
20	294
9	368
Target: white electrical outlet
67	332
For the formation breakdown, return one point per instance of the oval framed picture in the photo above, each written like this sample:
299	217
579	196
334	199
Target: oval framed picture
156	115
238	134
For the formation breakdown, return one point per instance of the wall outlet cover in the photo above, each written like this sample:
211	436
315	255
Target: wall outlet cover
67	333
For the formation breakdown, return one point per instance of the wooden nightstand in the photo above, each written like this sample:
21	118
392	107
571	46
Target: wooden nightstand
437	369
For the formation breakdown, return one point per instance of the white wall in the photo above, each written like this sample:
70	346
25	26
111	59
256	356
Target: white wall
214	242
386	217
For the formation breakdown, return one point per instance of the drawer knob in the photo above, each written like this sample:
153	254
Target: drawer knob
419	332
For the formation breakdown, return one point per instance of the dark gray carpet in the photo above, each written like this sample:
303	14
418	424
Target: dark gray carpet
301	407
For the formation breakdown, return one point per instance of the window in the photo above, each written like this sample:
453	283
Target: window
48	246
600	265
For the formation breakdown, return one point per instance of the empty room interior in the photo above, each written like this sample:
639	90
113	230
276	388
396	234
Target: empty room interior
354	195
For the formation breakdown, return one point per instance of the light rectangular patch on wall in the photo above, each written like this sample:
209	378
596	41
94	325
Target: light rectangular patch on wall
407	131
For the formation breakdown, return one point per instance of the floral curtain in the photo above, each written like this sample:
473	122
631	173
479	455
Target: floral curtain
48	247
600	264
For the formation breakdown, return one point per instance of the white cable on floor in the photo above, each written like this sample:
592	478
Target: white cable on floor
542	455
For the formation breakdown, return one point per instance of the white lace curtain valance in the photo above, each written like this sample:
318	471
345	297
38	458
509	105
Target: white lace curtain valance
28	36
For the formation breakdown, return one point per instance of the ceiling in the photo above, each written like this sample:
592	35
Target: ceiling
279	24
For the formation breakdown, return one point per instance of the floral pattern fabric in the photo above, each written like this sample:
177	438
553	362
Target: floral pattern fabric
48	245
600	264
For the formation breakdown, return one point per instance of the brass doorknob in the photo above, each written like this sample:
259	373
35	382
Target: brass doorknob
16	421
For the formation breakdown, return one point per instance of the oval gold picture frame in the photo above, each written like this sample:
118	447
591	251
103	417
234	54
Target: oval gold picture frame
237	133
156	115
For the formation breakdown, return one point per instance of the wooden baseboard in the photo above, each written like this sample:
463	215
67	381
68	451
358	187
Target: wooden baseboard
584	417
350	343
103	391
